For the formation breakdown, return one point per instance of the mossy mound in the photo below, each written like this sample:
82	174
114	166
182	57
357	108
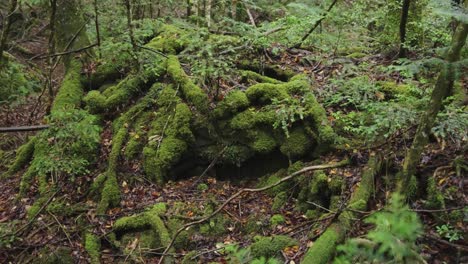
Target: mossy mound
271	246
147	225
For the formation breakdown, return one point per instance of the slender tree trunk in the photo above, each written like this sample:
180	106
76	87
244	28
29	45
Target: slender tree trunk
403	23
442	89
6	29
208	12
189	8
128	7
96	23
53	11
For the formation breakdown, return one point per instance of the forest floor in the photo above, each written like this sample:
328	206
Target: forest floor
140	192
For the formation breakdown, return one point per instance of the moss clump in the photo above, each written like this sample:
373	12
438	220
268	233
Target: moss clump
62	208
149	224
324	247
174	135
263	93
170	39
315	190
215	227
93	247
279	201
435	198
356	55
246	75
71	90
297	144
193	94
234	102
263	142
273	178
326	135
392	89
61	255
120	94
137	137
23	156
188	258
276	220
104	73
202	187
271	246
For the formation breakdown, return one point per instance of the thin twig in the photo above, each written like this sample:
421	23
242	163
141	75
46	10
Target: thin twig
250	190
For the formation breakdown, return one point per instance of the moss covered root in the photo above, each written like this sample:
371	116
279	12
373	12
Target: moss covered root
323	249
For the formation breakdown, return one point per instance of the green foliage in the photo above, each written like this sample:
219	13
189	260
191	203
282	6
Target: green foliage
449	232
392	240
16	83
240	255
452	124
288	110
69	145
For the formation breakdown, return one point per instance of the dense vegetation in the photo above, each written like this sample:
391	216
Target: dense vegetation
233	131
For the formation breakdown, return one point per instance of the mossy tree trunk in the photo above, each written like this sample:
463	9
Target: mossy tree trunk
323	250
403	22
6	29
442	89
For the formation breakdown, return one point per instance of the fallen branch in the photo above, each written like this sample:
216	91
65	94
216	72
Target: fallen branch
457	246
250	190
22	128
68	52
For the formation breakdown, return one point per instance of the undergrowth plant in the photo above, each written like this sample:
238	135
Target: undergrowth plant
392	240
68	144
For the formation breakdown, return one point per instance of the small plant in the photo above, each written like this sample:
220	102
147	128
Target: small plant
391	241
68	145
449	232
287	111
239	255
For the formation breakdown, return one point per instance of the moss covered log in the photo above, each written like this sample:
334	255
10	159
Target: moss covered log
323	250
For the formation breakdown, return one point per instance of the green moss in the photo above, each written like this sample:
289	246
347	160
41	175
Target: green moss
158	162
170	39
61	208
255	224
326	135
435	198
71	90
271	246
110	194
93	247
234	102
356	55
258	77
61	255
217	226
193	94
126	89
202	187
323	249
37	206
188	258
148	226
335	202
251	117
392	88
279	201
263	93
104	72
273	178
276	220
23	156
263	142
297	144
336	185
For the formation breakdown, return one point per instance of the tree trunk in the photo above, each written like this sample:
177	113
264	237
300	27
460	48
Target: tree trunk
6	29
403	23
442	89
